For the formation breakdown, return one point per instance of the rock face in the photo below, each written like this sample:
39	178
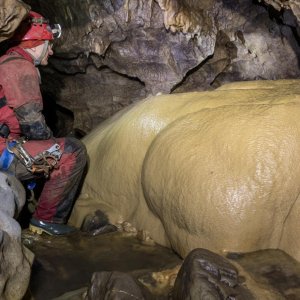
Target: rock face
11	14
217	170
15	259
114	53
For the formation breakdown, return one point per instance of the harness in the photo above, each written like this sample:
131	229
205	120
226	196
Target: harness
41	164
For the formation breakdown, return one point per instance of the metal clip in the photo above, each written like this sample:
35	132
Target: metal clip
54	151
16	148
27	159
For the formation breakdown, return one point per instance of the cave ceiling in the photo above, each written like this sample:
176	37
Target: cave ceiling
115	52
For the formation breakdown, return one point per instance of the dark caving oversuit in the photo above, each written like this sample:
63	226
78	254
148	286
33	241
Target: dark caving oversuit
21	116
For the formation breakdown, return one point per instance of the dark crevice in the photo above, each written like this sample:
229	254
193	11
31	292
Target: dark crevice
190	72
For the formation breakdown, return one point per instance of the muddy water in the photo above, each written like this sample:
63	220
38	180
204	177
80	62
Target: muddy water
64	264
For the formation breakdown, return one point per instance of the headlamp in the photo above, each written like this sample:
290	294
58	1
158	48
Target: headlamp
56	30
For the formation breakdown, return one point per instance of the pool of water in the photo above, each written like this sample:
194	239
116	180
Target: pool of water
64	264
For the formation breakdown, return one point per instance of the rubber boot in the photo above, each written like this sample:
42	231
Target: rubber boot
38	226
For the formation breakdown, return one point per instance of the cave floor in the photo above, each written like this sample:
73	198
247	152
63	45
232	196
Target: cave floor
63	266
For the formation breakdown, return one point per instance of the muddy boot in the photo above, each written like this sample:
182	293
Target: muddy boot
38	226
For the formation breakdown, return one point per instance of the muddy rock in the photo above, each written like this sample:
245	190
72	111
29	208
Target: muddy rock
114	285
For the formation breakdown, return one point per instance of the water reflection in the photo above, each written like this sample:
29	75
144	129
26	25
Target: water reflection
64	264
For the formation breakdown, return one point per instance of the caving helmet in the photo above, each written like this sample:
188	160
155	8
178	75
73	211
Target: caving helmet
36	27
36	30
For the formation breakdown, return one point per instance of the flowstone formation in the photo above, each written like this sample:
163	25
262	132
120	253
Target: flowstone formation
114	53
15	259
217	170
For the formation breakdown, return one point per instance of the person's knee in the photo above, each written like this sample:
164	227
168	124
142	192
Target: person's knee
73	145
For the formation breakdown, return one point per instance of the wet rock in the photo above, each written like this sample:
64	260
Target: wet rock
164	164
69	262
206	275
97	224
113	285
161	283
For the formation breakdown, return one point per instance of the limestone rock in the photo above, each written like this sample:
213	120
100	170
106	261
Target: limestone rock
10	226
12	202
216	170
119	52
206	275
15	259
12	194
279	5
118	33
114	285
15	262
251	47
11	14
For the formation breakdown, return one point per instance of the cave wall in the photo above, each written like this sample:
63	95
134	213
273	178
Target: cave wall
114	53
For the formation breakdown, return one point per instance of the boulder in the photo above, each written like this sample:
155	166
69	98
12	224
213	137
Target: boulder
206	275
114	286
15	259
216	170
15	262
12	195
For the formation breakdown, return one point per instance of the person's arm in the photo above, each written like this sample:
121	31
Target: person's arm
32	122
20	82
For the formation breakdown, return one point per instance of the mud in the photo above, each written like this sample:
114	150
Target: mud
63	266
273	268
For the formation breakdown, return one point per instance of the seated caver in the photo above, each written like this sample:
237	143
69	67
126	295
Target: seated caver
217	170
28	149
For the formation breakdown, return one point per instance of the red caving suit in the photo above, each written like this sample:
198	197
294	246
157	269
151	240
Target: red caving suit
21	109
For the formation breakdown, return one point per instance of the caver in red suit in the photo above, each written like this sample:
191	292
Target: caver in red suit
21	110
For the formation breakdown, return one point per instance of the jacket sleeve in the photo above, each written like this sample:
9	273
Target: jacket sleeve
32	122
